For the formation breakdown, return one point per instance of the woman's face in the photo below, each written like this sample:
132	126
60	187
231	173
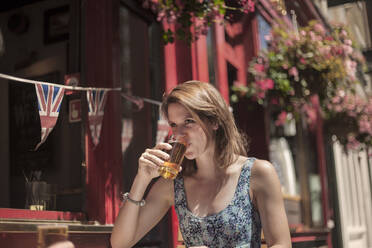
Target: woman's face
182	123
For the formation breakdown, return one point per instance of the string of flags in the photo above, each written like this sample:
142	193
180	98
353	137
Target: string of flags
50	97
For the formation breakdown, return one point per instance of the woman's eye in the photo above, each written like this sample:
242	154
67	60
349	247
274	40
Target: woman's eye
172	124
189	121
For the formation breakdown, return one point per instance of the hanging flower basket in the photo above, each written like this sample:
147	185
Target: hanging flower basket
299	64
199	14
349	117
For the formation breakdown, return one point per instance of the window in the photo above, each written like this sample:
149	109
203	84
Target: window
50	178
142	74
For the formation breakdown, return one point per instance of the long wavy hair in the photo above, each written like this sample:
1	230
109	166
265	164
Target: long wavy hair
206	106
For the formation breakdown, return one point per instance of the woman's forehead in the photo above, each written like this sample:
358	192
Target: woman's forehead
177	111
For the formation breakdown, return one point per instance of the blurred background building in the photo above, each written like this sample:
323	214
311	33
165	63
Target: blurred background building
117	43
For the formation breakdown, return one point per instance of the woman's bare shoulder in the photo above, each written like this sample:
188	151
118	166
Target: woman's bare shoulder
262	167
236	167
263	174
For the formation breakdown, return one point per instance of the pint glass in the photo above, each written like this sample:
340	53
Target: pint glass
170	168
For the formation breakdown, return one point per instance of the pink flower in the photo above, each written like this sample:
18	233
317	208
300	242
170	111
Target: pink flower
338	108
260	60
146	4
261	94
248	5
369	107
259	67
265	84
268	37
365	125
293	72
338	50
325	51
311	113
343	33
350	67
288	43
274	101
269	83
347	49
348	42
161	15
282	117
303	61
319	28
312	36
352	143
172	17
336	99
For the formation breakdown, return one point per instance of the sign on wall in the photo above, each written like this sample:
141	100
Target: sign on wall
74	111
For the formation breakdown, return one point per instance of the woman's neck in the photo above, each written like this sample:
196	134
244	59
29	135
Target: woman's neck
207	167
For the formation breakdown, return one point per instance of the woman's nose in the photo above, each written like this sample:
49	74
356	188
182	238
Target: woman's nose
178	131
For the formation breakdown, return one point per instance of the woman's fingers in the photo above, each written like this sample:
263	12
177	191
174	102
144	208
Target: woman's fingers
163	146
159	153
155	157
147	162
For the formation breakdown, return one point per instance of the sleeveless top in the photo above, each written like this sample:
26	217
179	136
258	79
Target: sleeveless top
238	225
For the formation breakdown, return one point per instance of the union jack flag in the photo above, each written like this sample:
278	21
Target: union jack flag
49	101
96	105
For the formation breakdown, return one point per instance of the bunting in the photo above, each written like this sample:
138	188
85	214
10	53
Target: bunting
126	134
96	104
50	96
49	101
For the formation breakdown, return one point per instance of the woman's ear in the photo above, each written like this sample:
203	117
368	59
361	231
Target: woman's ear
215	126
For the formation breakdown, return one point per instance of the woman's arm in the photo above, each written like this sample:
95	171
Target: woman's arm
133	221
267	196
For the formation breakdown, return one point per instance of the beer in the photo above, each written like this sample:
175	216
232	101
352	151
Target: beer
170	168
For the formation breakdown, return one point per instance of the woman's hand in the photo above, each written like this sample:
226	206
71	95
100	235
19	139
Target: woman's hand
152	159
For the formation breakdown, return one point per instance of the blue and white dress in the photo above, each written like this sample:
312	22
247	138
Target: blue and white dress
238	225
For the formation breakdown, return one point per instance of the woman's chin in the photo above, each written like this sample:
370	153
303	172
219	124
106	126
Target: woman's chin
189	156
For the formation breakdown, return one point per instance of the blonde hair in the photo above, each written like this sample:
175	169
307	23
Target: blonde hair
206	105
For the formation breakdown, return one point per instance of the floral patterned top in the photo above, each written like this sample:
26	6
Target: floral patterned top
238	225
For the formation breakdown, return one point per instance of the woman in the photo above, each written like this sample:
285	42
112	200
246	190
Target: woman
222	198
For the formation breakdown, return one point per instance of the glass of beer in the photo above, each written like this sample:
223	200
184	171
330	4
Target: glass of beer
170	168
